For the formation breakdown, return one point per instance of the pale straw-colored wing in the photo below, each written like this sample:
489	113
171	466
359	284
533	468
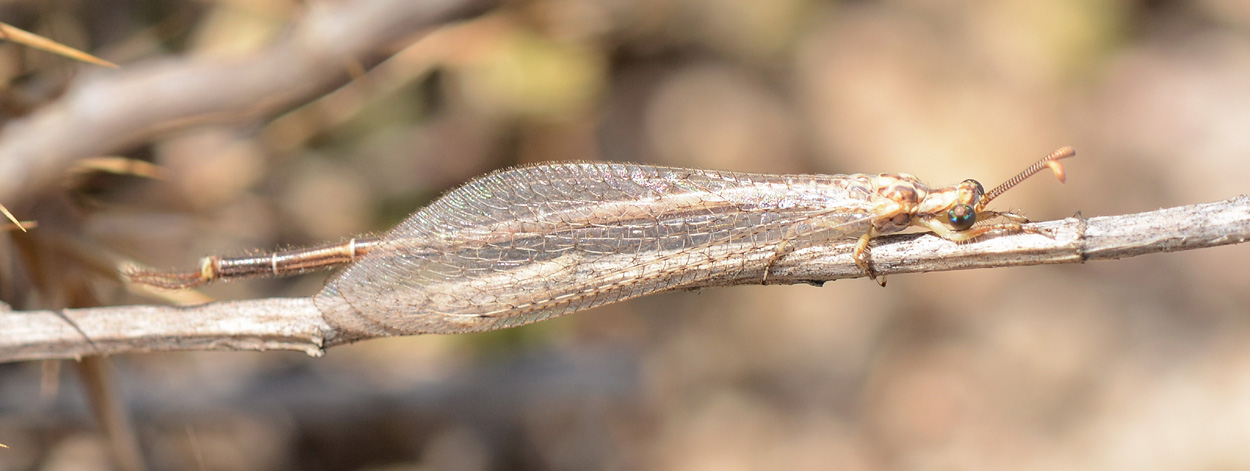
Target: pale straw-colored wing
531	243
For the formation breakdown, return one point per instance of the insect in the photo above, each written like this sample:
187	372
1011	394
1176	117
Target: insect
530	243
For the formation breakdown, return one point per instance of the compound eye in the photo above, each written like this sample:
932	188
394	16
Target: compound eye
961	217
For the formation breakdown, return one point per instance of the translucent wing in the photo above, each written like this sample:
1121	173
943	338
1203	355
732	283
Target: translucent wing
532	243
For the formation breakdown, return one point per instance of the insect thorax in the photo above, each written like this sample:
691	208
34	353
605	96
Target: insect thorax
899	195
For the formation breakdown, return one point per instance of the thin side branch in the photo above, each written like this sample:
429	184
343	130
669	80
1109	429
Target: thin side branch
296	324
107	110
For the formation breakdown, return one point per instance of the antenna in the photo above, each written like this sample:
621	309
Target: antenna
1051	161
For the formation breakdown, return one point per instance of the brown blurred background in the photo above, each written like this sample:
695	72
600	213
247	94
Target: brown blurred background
1135	364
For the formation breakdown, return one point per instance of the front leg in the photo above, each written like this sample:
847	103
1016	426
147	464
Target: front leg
1016	224
1013	225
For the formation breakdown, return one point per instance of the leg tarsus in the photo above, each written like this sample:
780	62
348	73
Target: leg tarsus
860	255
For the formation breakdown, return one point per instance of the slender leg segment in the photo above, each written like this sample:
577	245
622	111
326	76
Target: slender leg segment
782	248
860	255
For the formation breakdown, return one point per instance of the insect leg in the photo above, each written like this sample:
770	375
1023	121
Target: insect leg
860	255
782	248
987	215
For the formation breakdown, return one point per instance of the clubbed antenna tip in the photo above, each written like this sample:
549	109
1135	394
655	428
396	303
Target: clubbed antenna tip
1050	161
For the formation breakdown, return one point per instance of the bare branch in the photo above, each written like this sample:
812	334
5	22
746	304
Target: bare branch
296	324
262	324
107	110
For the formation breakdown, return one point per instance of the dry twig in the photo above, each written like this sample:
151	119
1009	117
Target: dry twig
296	324
26	38
106	111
